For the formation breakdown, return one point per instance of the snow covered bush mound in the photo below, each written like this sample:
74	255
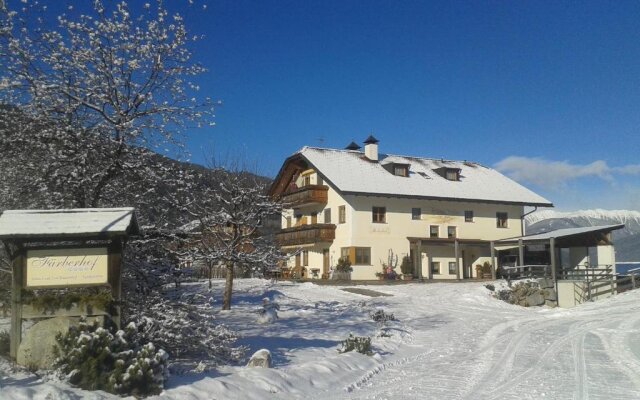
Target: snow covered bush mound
93	358
184	325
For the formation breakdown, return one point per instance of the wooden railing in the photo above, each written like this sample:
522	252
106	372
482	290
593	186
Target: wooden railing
306	195
306	234
526	271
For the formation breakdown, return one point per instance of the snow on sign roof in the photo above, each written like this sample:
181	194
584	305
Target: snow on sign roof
68	223
350	172
566	232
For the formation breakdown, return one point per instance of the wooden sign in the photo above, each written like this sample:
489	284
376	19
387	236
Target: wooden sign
67	267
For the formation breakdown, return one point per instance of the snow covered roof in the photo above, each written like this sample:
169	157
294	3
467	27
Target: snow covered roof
562	233
68	223
352	173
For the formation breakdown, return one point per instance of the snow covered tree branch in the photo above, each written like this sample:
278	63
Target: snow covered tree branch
95	88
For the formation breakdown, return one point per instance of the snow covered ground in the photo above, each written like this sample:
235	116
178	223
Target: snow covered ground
451	341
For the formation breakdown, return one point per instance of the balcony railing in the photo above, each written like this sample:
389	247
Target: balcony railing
307	195
306	234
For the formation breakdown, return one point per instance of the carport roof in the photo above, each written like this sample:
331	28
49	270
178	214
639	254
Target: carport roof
562	233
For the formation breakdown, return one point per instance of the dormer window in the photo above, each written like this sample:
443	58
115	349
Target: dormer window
450	174
401	170
398	169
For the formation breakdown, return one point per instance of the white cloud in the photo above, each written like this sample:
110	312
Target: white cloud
554	174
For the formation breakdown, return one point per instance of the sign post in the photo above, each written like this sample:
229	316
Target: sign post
65	249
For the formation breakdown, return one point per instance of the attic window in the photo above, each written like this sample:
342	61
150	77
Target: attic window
401	170
398	169
452	174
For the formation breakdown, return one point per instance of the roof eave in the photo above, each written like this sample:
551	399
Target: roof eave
515	203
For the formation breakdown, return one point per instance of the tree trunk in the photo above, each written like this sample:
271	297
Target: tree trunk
210	273
228	287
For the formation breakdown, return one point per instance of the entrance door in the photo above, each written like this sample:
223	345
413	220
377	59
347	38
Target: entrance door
325	263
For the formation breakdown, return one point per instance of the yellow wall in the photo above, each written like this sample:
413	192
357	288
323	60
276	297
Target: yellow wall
360	231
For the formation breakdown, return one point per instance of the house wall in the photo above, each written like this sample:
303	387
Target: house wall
359	230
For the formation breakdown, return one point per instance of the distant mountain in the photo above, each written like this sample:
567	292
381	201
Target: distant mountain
627	240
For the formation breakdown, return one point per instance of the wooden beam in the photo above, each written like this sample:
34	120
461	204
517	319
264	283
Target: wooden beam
17	283
115	280
552	254
456	251
419	259
520	252
493	260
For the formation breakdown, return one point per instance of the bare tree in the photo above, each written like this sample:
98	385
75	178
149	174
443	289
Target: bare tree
230	219
94	93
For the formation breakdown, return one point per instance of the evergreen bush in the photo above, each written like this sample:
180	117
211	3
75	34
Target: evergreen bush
407	266
344	265
93	358
361	344
380	316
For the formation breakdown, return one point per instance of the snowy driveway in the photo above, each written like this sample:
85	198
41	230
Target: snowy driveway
451	341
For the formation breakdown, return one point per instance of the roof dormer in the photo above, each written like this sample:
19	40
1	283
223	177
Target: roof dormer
398	169
448	173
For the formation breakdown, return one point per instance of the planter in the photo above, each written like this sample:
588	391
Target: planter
486	275
341	276
407	277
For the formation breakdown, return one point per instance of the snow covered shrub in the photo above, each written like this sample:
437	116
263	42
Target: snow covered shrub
4	343
93	358
269	312
490	287
344	265
180	320
381	317
361	344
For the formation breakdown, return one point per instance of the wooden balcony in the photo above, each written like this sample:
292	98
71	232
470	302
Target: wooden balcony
307	195
306	234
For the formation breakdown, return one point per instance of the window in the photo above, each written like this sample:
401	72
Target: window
344	252
452	268
468	216
288	219
314	217
320	181
363	255
342	214
356	255
379	215
416	213
400	170
305	258
434	231
502	220
452	174
435	267
306	181
327	216
451	232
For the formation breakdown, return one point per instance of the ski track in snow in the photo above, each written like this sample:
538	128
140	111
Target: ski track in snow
451	341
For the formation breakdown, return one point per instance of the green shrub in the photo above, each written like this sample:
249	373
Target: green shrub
93	358
344	265
407	266
361	344
381	317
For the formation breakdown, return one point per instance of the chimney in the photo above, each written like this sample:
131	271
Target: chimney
371	148
352	146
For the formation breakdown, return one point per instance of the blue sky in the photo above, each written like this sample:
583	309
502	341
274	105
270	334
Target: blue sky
546	91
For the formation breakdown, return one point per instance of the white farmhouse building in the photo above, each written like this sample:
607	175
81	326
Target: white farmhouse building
363	204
